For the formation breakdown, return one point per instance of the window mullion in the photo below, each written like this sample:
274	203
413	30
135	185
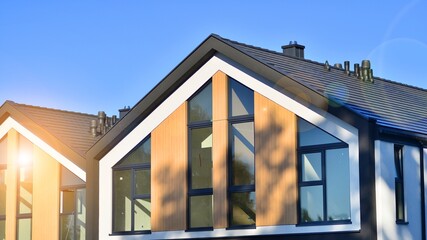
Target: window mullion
325	203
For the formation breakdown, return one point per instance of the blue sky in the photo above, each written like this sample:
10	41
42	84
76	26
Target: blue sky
102	55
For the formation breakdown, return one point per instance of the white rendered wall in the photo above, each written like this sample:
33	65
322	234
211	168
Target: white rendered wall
385	173
323	120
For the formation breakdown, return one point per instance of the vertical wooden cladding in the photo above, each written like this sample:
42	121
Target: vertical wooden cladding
45	196
219	153
169	172
11	183
275	159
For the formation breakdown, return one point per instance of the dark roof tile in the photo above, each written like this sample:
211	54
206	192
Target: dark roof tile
390	103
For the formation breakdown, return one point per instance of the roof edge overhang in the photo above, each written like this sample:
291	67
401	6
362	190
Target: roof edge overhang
401	136
207	49
7	110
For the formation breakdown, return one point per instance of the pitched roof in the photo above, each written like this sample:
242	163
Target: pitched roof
70	128
390	103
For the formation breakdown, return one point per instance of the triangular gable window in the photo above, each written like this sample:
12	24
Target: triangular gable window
310	135
139	155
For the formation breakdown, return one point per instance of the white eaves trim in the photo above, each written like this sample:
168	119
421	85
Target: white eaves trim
10	123
324	120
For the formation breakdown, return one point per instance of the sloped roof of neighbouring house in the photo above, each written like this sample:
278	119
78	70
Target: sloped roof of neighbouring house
390	104
67	132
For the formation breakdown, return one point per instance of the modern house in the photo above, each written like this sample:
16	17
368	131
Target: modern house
243	142
236	142
42	172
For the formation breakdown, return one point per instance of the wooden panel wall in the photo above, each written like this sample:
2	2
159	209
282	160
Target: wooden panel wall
11	183
46	184
169	172
275	162
219	153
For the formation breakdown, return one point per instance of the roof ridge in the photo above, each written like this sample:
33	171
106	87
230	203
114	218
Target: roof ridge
268	50
313	61
50	109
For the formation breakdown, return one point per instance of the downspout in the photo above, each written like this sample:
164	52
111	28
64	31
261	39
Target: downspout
423	206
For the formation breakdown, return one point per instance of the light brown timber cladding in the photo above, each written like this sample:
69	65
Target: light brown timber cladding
275	163
219	153
169	172
45	224
11	183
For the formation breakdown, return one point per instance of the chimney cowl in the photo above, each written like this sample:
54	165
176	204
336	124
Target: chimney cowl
294	49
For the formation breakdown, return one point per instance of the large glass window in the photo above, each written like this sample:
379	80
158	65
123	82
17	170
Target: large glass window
324	183
72	207
3	168
241	187
200	160
25	189
399	189
132	191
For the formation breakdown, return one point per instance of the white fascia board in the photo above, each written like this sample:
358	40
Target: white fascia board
11	123
323	120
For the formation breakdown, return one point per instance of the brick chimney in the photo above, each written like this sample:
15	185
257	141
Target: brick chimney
294	49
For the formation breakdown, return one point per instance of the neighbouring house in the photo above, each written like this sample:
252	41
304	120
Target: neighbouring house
243	142
43	172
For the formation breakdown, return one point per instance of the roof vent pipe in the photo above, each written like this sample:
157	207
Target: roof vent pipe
357	70
327	67
113	119
101	122
338	65
93	127
365	71
347	67
294	50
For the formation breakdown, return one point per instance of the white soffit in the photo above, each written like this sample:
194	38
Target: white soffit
10	123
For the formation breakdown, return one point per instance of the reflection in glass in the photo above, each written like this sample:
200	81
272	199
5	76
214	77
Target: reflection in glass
337	184
122	200
200	106
201	211
139	155
201	158
142	181
142	214
24	229
400	207
69	179
81	214
2	192
311	203
25	190
312	167
241	99
243	207
243	153
309	135
68	201
2	229
67	227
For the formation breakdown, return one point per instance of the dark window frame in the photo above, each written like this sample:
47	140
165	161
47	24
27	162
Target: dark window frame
3	167
322	149
230	187
399	181
133	167
202	191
